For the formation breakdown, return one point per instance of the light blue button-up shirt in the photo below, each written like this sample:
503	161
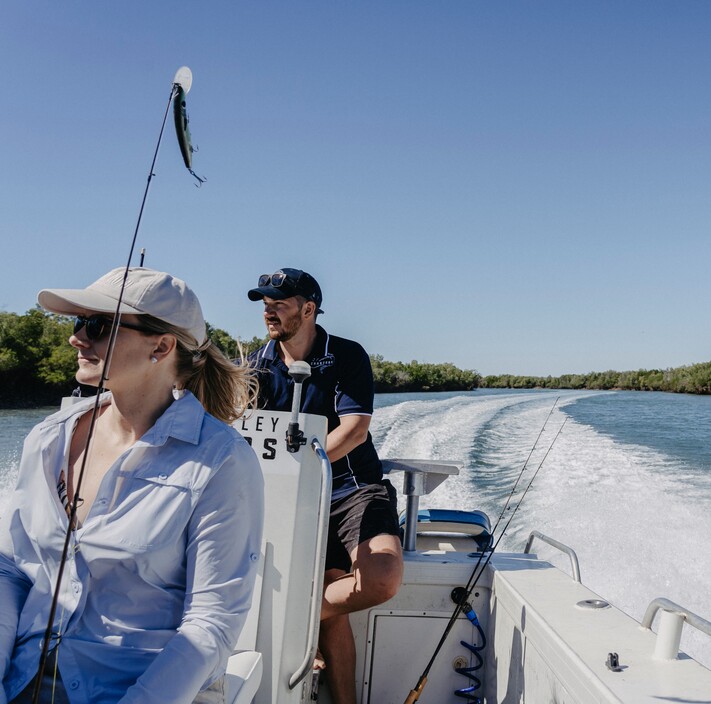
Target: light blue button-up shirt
160	574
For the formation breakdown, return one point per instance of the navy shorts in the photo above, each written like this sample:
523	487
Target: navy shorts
360	516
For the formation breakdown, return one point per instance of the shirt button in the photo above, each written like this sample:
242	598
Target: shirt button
74	684
253	556
163	476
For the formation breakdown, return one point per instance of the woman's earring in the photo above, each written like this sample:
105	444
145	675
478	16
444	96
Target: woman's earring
154	360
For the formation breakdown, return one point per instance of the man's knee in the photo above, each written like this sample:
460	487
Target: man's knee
383	578
378	568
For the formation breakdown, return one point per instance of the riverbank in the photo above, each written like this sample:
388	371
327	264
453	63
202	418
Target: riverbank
690	379
37	367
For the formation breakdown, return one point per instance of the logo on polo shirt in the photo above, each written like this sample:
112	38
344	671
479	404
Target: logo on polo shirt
323	362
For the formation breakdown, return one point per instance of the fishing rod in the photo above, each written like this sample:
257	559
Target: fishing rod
182	82
471	584
525	464
465	592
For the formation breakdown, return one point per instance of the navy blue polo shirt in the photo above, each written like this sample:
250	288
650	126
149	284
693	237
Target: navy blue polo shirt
341	384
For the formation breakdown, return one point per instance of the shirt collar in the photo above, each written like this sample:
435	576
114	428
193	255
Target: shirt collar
182	420
320	346
270	351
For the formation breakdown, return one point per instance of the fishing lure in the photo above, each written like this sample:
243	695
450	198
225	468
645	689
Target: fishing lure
182	82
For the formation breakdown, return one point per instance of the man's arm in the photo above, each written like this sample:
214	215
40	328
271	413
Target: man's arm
352	432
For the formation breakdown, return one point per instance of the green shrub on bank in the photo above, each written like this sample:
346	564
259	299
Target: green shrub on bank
416	376
37	364
692	379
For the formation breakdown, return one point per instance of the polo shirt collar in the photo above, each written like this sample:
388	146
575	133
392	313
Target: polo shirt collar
270	351
320	347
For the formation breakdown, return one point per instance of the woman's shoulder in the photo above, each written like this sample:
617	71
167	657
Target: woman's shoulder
191	423
229	454
219	430
219	434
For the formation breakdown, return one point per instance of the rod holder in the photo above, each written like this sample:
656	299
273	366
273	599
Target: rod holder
672	620
666	646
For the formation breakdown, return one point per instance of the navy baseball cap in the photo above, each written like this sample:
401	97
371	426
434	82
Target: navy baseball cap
286	283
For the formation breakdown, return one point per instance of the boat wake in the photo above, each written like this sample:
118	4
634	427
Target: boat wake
635	516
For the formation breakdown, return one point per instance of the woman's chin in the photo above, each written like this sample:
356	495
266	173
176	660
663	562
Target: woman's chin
87	378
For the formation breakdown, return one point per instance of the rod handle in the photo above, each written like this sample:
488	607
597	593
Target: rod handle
415	693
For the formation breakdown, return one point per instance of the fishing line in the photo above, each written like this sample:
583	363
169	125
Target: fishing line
525	464
474	574
479	567
473	580
176	88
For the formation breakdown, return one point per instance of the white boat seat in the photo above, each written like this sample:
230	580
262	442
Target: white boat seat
243	676
276	647
461	527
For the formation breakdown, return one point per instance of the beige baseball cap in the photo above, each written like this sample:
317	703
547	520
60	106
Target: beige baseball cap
147	292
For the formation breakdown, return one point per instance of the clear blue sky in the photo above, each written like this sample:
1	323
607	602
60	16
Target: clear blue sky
517	187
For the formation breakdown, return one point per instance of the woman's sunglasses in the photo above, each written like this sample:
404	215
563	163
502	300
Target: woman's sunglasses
98	326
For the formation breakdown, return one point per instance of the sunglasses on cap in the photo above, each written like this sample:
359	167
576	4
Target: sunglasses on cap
98	326
276	279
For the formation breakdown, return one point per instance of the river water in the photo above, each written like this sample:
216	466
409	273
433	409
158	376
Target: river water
627	482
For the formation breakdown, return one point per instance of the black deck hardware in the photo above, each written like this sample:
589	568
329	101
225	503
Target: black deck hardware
613	662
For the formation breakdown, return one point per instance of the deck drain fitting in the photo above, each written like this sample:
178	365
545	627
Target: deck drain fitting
593	604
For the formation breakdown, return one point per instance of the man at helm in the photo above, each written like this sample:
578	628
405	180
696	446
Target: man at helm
364	556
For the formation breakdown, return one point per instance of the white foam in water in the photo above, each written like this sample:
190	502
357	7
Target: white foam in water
14	426
8	478
636	519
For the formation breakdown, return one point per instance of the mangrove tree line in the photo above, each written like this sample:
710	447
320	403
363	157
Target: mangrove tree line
37	367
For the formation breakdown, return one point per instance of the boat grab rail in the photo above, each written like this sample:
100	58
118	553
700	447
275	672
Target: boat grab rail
317	593
575	565
670	625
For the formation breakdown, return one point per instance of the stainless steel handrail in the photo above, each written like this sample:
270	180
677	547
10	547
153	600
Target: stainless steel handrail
317	590
666	605
560	546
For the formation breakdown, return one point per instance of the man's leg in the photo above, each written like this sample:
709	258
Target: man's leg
376	577
338	650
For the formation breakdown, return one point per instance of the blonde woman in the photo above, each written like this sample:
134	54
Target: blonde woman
164	546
